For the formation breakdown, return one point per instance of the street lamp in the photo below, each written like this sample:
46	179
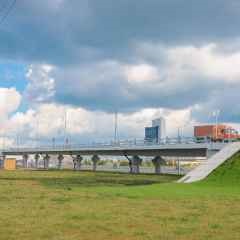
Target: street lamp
216	115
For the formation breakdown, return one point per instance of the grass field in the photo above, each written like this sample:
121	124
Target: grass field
66	205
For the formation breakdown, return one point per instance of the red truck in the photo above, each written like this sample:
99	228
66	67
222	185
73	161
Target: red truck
216	133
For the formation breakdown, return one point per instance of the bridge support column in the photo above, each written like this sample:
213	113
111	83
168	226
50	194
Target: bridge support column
25	160
157	162
74	159
95	160
46	160
179	167
130	163
77	162
136	162
60	160
36	157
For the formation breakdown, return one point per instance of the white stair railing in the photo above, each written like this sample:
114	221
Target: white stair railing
203	170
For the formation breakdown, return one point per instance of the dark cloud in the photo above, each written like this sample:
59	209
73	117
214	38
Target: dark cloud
225	100
67	32
106	86
79	37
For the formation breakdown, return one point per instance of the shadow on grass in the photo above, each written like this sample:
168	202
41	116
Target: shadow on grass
66	179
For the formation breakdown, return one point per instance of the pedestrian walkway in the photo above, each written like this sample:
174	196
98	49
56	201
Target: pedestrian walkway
203	170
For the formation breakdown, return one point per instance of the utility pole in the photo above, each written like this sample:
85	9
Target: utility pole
180	134
37	132
216	113
65	127
115	127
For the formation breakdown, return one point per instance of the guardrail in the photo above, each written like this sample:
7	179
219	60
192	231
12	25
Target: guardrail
112	144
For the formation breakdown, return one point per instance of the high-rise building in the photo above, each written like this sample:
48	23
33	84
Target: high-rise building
157	132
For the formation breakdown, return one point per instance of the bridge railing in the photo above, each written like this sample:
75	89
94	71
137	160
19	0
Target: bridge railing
113	144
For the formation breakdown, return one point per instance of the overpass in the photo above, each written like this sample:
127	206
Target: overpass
180	150
133	151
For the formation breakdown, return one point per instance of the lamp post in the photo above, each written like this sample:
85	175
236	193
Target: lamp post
116	140
181	131
216	114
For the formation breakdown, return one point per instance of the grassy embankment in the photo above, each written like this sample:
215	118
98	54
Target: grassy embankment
65	205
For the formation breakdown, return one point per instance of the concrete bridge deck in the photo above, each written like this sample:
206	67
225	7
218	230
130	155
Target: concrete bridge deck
168	150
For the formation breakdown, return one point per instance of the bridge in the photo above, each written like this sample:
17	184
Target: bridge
132	150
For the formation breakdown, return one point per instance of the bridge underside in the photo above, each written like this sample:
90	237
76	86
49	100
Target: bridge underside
197	152
160	155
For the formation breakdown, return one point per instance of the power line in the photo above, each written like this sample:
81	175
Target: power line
8	11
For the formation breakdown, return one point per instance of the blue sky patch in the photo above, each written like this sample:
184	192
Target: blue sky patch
13	75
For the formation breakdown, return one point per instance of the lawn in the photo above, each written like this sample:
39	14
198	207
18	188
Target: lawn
67	205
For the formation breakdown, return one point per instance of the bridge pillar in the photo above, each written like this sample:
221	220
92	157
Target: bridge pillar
136	162
74	159
95	160
46	160
157	162
60	160
77	162
179	167
25	160
36	157
130	163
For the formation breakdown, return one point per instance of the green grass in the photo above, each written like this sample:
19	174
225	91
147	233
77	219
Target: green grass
66	205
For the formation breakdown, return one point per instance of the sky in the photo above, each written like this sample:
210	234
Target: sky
83	60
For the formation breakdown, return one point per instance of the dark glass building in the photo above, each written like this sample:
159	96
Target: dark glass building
151	134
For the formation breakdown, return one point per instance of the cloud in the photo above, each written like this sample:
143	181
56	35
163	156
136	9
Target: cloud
62	32
10	100
173	58
207	61
48	121
160	77
141	73
41	86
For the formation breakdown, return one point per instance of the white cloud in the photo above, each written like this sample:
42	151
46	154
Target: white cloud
10	100
161	77
47	121
141	73
206	61
185	77
41	86
6	142
209	62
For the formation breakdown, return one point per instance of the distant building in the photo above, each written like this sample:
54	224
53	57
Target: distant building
151	134
157	132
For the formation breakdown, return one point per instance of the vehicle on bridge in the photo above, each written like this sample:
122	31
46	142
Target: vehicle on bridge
216	133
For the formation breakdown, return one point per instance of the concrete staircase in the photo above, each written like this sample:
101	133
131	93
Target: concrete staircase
203	170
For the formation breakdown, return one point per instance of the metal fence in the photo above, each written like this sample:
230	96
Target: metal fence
141	143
